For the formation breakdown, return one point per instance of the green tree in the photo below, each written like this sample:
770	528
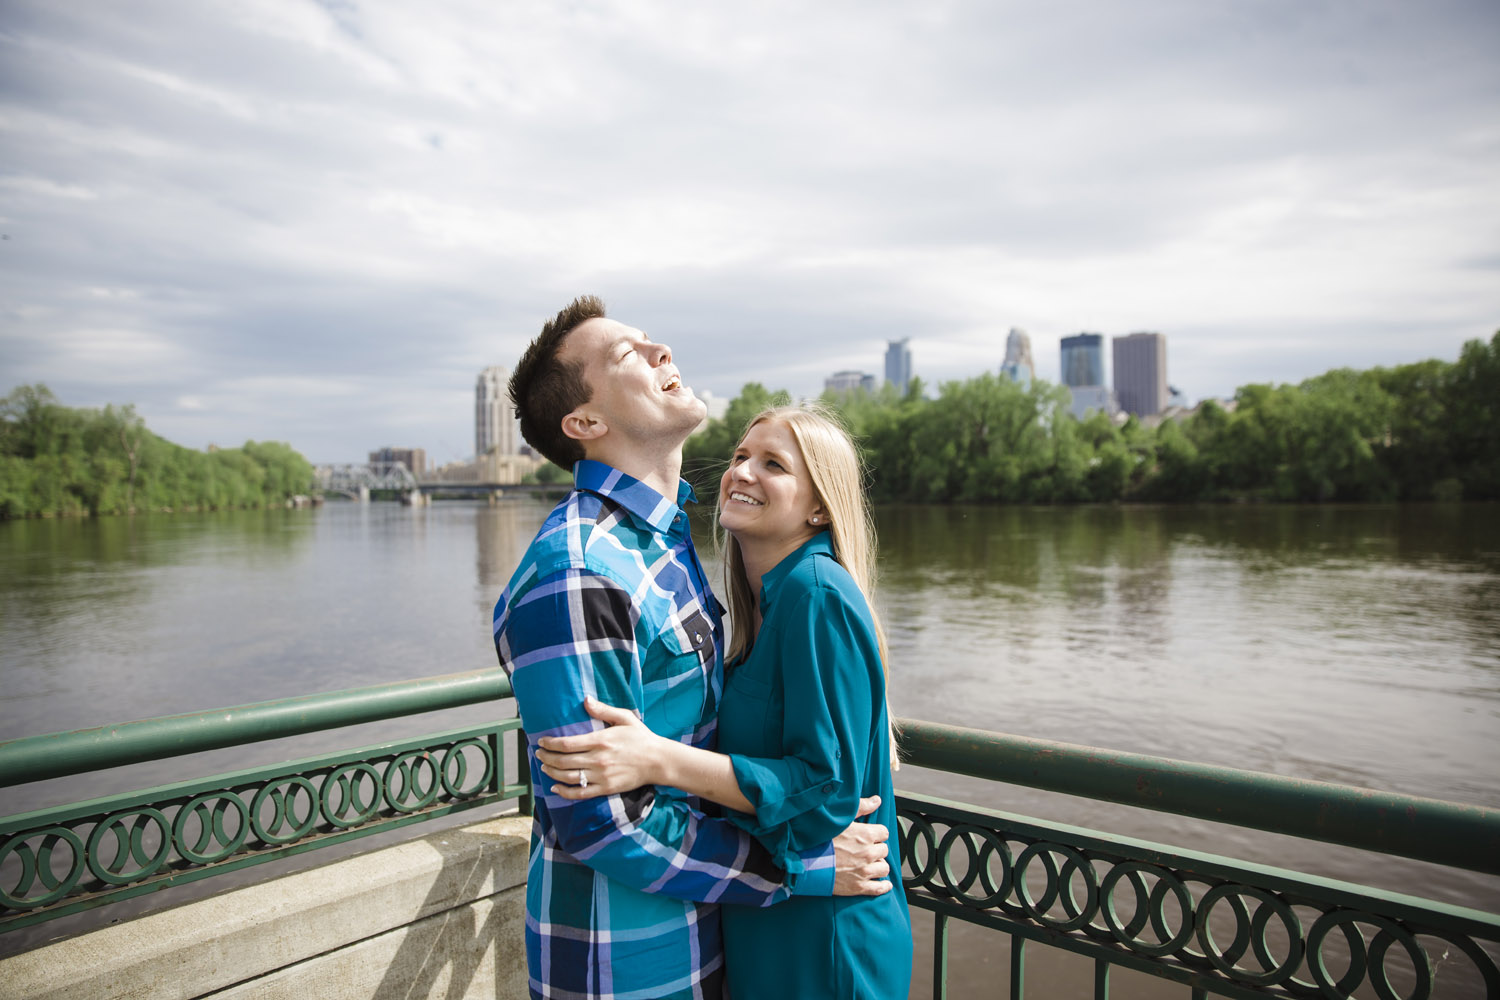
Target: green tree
549	474
1474	416
1417	452
55	460
1180	472
1110	463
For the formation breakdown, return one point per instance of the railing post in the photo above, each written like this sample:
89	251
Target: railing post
1101	979
1017	966
939	956
526	804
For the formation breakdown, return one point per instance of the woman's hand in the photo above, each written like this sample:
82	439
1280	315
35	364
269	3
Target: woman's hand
609	761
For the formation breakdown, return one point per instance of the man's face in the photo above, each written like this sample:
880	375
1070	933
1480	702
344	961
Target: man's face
637	391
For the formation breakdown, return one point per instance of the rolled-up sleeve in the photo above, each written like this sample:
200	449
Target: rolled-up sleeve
826	652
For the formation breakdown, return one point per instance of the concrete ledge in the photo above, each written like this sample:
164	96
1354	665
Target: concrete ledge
440	916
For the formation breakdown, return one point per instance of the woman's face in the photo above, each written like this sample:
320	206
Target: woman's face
766	495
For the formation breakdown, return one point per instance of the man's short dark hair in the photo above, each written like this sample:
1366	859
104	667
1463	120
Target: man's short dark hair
545	388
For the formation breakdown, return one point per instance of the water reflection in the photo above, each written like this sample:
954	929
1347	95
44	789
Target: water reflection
87	604
1356	645
502	532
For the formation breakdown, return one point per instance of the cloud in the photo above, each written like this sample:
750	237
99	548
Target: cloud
367	204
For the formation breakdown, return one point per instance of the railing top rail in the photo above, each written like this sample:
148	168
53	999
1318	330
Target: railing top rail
1447	833
37	758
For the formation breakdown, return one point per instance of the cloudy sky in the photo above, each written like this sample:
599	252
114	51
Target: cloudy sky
317	221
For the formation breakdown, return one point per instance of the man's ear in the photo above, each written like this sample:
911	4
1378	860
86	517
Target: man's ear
581	425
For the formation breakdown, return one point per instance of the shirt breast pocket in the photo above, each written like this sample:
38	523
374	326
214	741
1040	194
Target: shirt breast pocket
747	723
677	695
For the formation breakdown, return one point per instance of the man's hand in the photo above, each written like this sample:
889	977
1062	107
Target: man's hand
859	854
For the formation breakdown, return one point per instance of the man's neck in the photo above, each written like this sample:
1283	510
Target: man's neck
660	471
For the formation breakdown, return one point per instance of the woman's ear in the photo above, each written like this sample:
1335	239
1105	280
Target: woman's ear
818	517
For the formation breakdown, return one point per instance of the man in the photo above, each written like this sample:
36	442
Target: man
610	602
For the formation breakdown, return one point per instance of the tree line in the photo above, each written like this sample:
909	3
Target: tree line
57	460
1423	431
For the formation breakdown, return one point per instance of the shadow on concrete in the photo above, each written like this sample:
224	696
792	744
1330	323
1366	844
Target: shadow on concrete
470	944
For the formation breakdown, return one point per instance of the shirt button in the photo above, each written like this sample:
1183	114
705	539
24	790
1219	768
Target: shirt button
827	789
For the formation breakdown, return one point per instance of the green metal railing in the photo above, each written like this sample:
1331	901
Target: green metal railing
64	859
1215	925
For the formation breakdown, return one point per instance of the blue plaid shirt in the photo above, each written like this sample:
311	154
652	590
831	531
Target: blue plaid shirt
611	601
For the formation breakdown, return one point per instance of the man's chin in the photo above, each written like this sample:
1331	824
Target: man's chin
696	406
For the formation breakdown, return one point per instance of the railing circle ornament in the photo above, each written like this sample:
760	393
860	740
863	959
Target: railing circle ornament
284	795
351	794
129	830
1057	886
34	849
1148	908
1363	962
455	768
917	827
978	865
404	788
1249	934
210	810
64	860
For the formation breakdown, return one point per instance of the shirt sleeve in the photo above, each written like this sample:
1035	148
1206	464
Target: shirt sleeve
828	655
570	636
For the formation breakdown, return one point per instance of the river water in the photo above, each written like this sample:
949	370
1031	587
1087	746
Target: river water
1358	645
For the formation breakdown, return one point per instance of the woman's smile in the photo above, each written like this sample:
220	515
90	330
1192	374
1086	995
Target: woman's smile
767	491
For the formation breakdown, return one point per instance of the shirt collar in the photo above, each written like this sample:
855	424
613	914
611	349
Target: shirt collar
640	500
819	544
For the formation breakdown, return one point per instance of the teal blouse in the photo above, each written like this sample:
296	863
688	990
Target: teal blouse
804	721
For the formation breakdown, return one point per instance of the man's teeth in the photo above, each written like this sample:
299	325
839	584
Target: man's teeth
744	499
672	383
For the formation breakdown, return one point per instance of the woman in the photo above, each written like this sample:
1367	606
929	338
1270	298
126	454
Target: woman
804	730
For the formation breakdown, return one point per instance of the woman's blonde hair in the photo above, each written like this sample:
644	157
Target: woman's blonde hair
837	478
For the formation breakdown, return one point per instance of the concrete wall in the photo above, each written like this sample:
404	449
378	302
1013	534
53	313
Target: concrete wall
437	917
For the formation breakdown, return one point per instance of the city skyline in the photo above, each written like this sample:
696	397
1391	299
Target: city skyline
314	223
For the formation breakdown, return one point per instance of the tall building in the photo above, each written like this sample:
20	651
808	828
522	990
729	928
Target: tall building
1083	374
849	381
898	364
415	459
1018	365
1092	397
1141	373
1083	359
494	416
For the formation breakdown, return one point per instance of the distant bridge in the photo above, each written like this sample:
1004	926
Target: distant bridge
355	481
